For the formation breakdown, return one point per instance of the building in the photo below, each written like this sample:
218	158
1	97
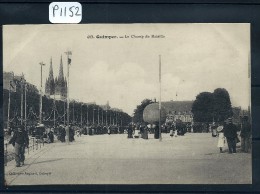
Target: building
56	88
8	81
178	110
14	82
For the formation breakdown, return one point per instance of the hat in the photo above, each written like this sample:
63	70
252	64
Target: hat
220	128
40	125
229	120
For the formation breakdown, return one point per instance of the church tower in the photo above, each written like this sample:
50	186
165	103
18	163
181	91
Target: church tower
56	87
60	83
50	84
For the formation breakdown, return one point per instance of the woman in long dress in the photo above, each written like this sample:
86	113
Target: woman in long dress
145	132
172	129
221	138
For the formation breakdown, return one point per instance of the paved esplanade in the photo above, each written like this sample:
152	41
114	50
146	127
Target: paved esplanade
114	159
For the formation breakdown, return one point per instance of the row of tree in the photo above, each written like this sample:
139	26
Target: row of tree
207	107
79	112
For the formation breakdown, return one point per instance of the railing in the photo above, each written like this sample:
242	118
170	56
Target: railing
34	144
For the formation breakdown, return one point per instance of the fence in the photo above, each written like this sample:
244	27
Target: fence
34	144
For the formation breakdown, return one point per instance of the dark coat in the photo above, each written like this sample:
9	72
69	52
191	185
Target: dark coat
156	132
230	130
245	130
20	137
130	132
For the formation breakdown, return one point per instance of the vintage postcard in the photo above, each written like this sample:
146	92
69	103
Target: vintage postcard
127	104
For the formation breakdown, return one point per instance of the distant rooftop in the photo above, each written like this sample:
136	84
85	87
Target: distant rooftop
178	106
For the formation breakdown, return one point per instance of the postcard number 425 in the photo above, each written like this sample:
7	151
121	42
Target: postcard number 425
65	12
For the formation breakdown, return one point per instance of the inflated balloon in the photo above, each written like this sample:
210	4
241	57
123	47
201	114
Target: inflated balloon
151	113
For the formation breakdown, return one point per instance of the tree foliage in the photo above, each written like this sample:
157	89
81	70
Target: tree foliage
212	106
222	104
138	112
60	108
202	107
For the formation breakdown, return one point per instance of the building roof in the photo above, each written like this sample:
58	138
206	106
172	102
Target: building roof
178	106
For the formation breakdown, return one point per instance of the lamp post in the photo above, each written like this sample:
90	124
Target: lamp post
106	118
102	117
98	115
54	110
40	116
160	127
116	118
93	116
110	118
81	114
87	114
22	89
64	108
25	106
9	103
73	121
68	53
121	119
113	118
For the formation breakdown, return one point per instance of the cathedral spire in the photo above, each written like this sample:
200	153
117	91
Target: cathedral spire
51	77
56	86
61	76
49	86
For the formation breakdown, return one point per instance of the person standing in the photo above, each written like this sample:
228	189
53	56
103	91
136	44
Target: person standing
171	130
51	136
230	132
214	129
145	135
130	131
71	134
156	131
141	128
20	141
221	138
62	134
245	134
109	130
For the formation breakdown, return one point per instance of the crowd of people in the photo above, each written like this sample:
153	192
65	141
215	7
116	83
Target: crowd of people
227	133
136	130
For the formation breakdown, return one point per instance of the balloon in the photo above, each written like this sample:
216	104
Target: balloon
151	113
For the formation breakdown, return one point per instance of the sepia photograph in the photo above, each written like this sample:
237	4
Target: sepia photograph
127	104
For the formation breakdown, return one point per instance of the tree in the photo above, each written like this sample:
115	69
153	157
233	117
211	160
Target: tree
222	104
214	106
138	112
202	107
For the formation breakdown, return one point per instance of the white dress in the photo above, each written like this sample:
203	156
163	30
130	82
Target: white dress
221	140
175	133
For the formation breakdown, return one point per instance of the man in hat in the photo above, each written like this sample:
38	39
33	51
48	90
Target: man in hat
230	132
20	140
245	134
130	130
156	131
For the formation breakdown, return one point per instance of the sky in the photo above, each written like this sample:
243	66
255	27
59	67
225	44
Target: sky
194	58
